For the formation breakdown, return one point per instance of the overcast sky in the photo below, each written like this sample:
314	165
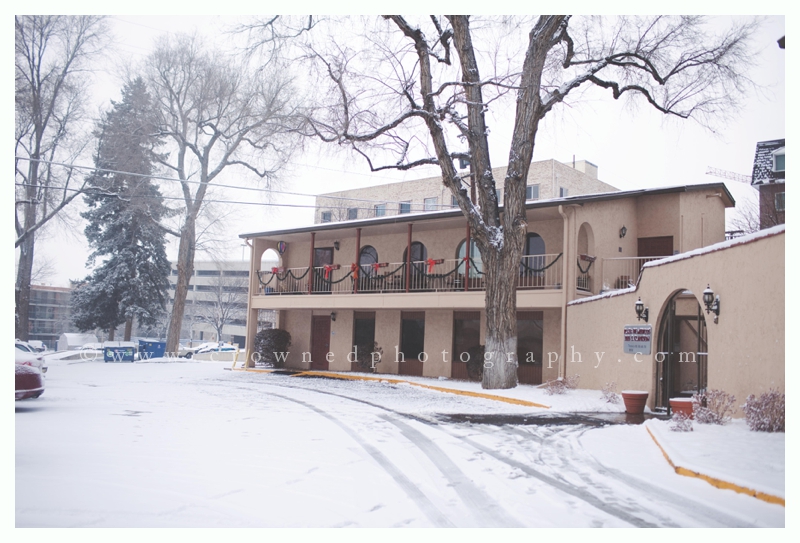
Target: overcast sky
633	149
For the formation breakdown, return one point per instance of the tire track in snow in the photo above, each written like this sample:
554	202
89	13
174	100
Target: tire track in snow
490	513
564	486
412	491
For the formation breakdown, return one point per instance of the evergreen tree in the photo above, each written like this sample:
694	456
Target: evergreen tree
125	209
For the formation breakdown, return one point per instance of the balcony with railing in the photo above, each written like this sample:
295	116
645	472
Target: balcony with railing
623	272
431	275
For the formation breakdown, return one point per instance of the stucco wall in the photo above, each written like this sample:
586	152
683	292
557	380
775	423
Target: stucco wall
746	347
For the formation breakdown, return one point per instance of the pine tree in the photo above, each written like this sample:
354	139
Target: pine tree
125	209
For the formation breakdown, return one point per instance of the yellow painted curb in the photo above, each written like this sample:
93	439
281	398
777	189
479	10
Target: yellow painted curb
719	483
494	397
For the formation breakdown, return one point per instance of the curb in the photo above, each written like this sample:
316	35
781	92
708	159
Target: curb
719	483
343	376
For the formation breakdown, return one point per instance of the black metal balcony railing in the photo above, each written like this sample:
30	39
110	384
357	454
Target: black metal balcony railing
536	272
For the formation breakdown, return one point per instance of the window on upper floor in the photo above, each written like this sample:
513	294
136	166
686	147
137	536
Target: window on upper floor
430	204
380	210
326	216
779	160
405	207
209	273
352	213
563	192
453	201
532	192
780	201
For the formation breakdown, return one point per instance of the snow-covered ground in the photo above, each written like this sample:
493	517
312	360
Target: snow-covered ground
191	445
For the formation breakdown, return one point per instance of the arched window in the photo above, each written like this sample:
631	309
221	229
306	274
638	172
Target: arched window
533	255
476	264
366	259
419	254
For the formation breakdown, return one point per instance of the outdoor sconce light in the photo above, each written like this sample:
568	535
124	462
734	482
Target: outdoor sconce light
336	245
642	312
333	316
623	231
711	301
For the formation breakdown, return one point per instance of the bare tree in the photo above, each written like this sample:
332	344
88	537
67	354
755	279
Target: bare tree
225	301
215	112
415	93
52	57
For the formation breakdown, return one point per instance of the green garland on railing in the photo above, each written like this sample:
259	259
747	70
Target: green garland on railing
587	267
331	281
368	277
538	270
423	273
275	275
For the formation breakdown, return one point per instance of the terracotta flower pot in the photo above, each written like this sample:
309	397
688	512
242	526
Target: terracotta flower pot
682	405
635	401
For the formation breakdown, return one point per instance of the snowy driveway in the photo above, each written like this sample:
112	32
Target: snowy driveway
192	445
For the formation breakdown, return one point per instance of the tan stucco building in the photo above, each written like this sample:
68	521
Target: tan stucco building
579	280
546	179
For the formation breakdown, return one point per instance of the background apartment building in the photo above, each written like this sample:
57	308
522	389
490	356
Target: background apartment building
216	304
50	314
546	179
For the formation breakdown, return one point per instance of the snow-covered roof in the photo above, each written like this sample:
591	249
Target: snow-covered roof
536	204
762	163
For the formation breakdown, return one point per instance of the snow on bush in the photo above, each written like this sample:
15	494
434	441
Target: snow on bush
561	386
610	393
270	344
680	423
713	407
767	413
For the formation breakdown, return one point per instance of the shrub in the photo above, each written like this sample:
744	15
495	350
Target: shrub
560	385
713	407
475	362
610	393
680	423
767	413
271	341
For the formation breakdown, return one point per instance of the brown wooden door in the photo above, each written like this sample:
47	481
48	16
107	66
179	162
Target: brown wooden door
320	341
323	256
658	246
412	342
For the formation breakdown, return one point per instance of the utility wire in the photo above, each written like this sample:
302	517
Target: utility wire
222	185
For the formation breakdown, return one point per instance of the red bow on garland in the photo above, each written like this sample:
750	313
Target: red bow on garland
375	266
431	264
328	269
274	270
354	269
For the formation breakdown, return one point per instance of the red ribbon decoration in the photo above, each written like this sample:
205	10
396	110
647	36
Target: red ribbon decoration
431	263
354	269
375	266
328	269
274	270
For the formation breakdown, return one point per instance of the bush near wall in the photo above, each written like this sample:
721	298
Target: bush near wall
271	341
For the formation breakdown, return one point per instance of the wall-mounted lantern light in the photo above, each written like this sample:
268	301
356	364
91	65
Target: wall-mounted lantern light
711	301
623	231
333	315
642	312
336	245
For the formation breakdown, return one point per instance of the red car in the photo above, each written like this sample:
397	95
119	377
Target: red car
28	381
28	375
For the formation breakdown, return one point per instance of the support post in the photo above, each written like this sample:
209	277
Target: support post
311	264
466	262
408	260
358	261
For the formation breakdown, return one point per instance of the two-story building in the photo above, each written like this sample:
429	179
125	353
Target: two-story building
413	284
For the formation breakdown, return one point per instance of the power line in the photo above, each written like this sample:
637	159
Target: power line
222	185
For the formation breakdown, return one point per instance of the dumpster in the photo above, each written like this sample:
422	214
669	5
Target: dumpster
118	351
151	349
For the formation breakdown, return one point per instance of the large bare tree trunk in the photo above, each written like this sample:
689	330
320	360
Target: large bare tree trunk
22	290
500	359
185	265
